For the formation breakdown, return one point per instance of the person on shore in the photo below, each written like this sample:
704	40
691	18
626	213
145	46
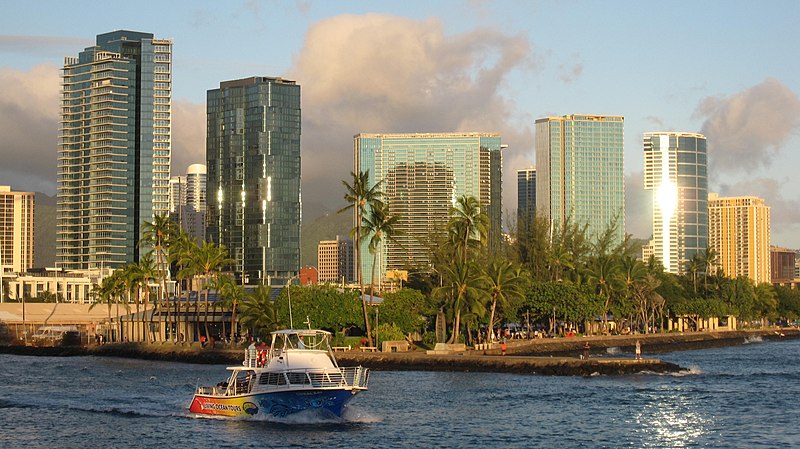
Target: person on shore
586	349
638	350
203	341
503	347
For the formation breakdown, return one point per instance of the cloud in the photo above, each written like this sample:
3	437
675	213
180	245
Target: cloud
638	206
188	135
29	107
383	74
784	212
750	128
570	72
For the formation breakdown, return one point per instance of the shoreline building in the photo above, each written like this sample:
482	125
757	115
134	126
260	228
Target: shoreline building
114	148
675	171
187	201
739	232
16	230
253	181
335	261
782	265
422	175
579	176
526	199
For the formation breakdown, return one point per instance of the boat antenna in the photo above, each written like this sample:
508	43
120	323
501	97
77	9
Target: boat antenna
307	322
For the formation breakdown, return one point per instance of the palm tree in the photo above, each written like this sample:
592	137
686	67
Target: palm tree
205	263
148	270
707	259
359	196
132	276
259	312
231	293
603	276
180	247
459	293
501	282
468	226
378	224
157	235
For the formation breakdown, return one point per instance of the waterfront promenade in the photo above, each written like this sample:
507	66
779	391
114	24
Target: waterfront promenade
554	356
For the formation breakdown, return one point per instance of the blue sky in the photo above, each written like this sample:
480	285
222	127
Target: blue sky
728	69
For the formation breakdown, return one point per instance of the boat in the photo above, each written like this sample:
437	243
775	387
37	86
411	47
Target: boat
297	372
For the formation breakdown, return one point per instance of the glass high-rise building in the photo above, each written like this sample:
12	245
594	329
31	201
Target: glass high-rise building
579	175
114	149
422	176
253	181
526	199
187	201
675	171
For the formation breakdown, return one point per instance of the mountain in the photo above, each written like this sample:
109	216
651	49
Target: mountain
325	227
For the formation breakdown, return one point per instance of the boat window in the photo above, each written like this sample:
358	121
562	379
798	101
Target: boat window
298	378
272	379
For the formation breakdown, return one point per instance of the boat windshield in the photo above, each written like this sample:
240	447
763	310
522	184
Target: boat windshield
301	339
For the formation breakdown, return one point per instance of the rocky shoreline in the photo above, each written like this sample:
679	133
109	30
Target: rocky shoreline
558	356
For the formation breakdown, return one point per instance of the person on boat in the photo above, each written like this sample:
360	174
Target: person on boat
300	343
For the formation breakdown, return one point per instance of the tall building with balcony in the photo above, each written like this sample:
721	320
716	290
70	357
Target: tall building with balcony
335	261
187	201
16	230
422	176
114	150
579	176
739	232
526	199
675	172
253	181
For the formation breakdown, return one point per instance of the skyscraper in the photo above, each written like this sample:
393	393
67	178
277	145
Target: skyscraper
253	154
675	171
526	198
187	201
16	230
114	150
579	175
739	232
421	177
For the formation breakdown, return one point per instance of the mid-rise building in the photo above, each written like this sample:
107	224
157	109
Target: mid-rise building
526	199
187	201
253	182
782	264
579	176
335	261
114	150
739	232
421	177
675	172
16	230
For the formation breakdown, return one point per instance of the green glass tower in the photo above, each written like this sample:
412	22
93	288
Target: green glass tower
253	180
421	176
579	171
114	149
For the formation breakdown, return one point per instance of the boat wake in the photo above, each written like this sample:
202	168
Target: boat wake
304	418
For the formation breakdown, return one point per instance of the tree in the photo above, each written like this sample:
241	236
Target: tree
604	279
359	196
324	305
157	235
205	263
459	293
407	309
260	313
468	226
378	224
501	282
181	247
231	294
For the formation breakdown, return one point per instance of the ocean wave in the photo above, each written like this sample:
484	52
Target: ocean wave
691	371
614	350
753	339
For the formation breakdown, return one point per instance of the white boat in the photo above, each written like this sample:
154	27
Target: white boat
297	372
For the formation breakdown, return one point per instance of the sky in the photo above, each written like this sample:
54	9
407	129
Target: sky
727	69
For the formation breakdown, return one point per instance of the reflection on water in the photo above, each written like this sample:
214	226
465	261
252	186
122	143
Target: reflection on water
672	417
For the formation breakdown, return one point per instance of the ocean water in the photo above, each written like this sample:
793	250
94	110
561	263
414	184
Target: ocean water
736	397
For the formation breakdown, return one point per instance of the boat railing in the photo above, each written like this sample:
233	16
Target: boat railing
356	377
